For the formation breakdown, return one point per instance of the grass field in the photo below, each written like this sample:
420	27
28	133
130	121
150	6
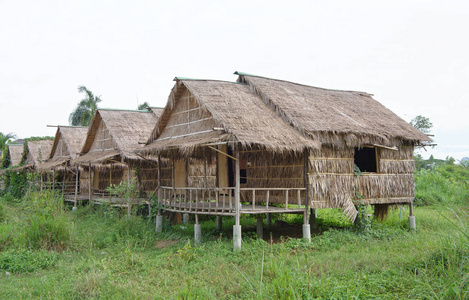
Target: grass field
48	251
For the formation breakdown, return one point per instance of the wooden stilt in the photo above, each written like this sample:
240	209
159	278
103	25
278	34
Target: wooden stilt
76	190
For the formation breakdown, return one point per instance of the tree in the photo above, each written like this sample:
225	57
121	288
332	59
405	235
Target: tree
422	123
85	109
5	139
143	106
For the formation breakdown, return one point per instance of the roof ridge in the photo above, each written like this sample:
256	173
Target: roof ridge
301	84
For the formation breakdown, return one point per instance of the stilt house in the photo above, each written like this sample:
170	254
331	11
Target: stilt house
108	152
272	146
72	182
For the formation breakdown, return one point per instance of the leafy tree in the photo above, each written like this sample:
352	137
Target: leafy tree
422	123
449	160
5	139
85	109
143	106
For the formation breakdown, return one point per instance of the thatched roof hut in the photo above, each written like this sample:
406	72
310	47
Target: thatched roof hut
339	118
222	112
114	135
16	152
67	145
36	152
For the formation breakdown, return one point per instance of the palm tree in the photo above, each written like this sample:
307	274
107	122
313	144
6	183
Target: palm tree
143	106
85	110
5	139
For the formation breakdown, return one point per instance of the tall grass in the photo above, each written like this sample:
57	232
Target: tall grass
444	185
47	226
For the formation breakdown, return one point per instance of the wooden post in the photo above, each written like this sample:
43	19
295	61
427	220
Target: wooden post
40	174
412	225
237	188
159	179
53	180
76	190
237	226
306	226
90	188
129	200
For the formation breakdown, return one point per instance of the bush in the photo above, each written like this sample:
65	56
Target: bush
47	226
443	185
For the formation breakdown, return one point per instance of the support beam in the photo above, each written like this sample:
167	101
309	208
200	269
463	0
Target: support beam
260	227
185	219
159	222
237	226
90	188
269	220
306	226
75	200
197	231
129	200
412	224
219	223
312	219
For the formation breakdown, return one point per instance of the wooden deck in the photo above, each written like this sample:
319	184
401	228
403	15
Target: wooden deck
220	209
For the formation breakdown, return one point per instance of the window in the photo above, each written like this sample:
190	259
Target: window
243	171
365	159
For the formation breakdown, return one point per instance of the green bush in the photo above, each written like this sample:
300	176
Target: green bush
444	185
47	227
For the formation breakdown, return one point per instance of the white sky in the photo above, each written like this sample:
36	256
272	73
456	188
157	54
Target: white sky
412	55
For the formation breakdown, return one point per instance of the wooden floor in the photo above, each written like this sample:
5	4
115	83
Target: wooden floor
119	202
212	208
80	198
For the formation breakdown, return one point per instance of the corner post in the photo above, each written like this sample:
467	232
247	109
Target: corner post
306	226
197	230
75	200
237	226
412	225
90	188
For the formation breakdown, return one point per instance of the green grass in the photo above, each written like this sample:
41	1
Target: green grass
49	251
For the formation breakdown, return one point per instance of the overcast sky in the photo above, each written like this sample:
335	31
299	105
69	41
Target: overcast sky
412	55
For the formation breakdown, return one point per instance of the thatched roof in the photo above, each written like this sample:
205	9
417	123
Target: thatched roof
71	139
238	115
16	152
36	152
340	118
126	130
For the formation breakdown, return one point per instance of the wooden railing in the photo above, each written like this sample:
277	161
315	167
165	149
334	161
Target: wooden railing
222	200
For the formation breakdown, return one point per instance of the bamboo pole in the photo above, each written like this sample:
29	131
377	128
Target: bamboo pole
76	190
90	188
237	187
129	200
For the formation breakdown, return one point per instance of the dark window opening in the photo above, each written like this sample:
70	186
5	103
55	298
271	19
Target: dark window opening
243	174
365	159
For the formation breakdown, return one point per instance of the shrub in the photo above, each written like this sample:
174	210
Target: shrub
443	185
47	226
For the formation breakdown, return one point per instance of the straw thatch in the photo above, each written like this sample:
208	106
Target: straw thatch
114	135
16	152
207	111
67	145
340	118
36	152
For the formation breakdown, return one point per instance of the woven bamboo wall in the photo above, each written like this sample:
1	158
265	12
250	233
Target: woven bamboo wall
187	117
333	182
268	170
103	139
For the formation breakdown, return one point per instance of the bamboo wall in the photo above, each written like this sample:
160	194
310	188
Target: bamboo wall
333	182
103	139
268	170
187	117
